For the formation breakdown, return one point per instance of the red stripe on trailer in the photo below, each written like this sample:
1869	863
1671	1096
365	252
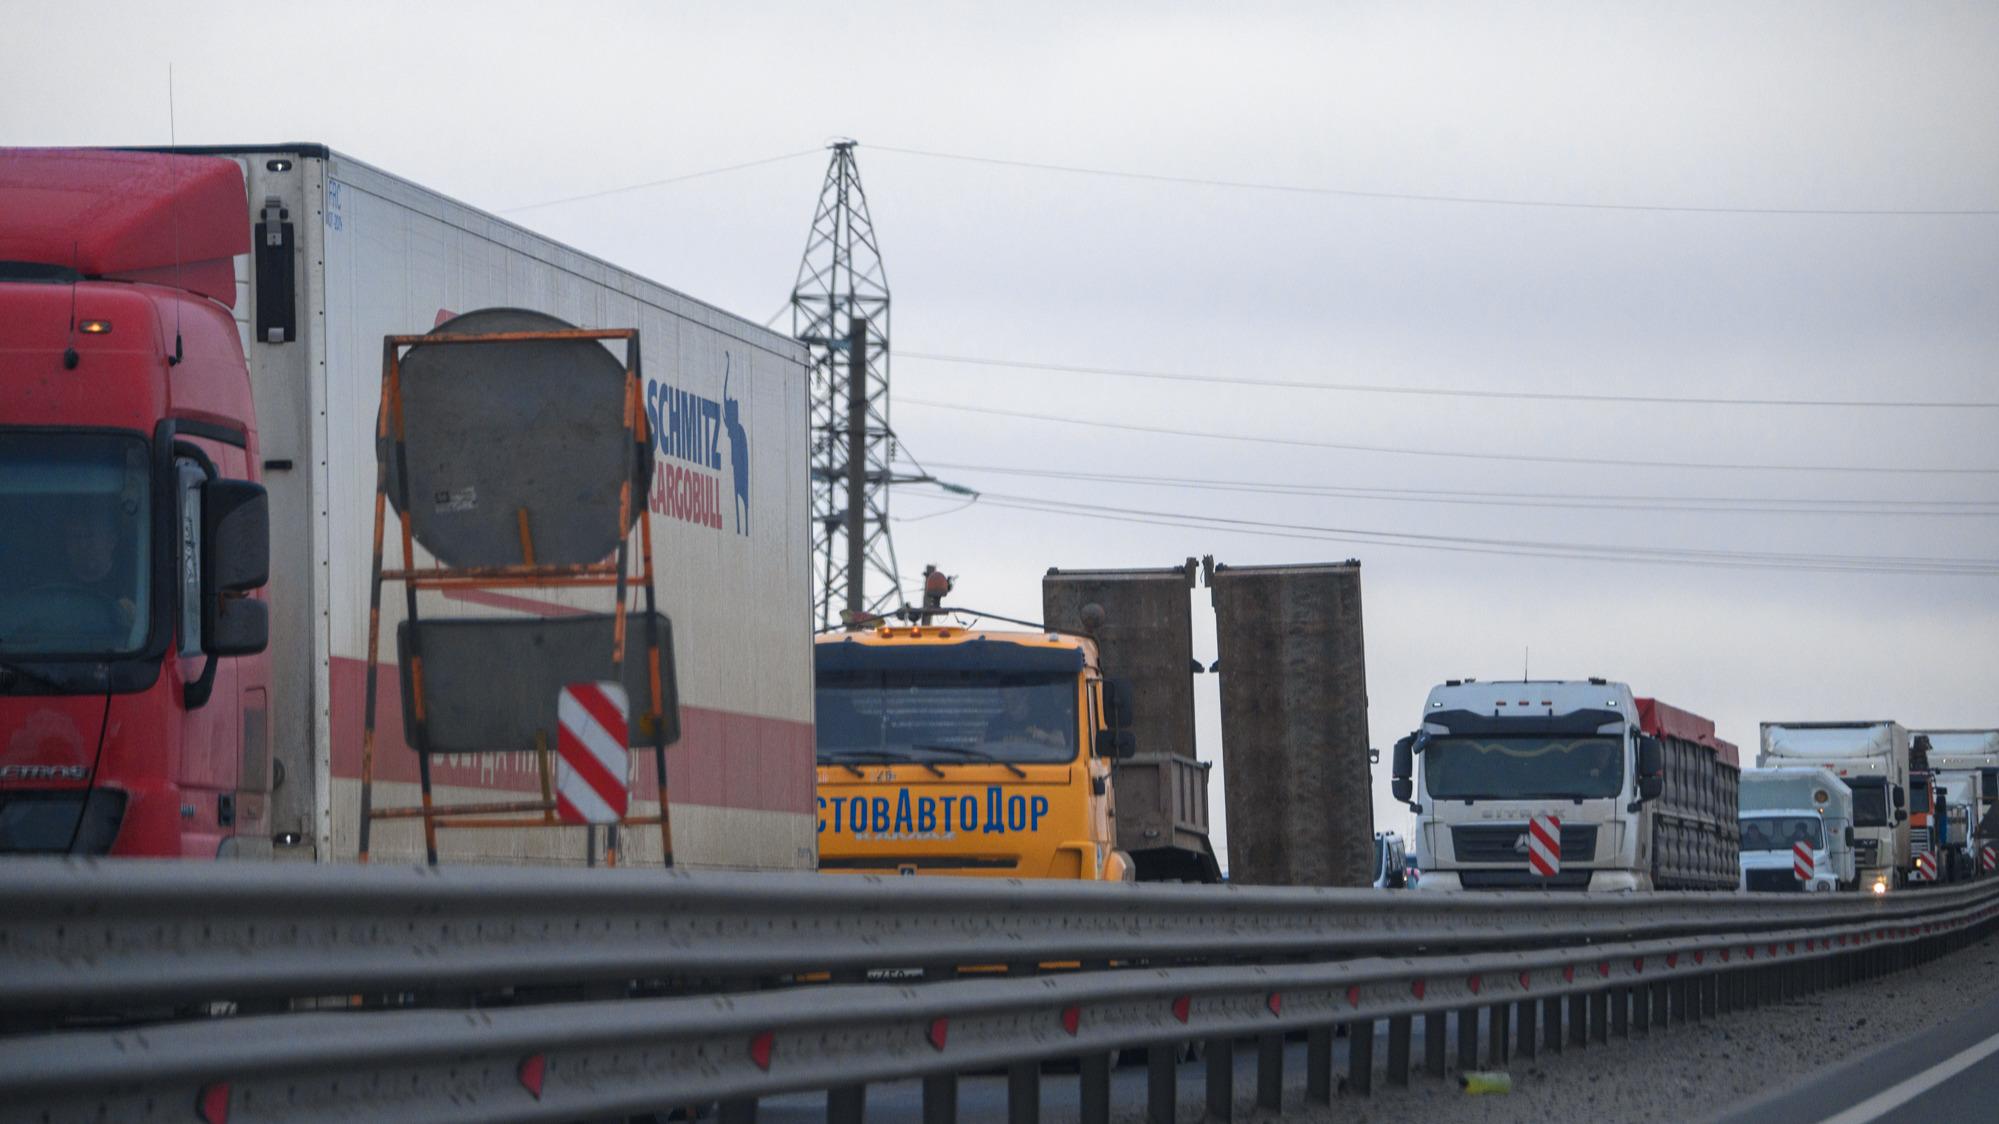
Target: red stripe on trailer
1544	845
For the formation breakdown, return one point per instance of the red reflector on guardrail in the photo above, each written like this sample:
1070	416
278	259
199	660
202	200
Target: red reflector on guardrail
1275	1001
530	1071
212	1103
1072	1019
1180	1007
1474	983
1672	960
1568	973
1416	989
939	1028
1603	969
1353	996
1526	982
760	1049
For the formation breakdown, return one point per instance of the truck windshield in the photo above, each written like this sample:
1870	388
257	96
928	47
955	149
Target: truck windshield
935	716
1919	794
1780	833
1523	768
1870	801
75	561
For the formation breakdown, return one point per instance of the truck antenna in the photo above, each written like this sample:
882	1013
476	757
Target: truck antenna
1524	650
173	195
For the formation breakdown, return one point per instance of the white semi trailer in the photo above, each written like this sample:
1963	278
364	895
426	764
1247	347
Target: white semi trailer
344	254
1873	759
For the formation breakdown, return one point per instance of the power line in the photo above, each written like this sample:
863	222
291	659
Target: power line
1576	501
1438	392
1886	564
1417	197
1536	458
656	183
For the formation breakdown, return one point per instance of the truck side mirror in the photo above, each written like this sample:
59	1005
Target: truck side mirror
1651	788
1988	783
1849	836
1122	745
1901	798
1403	766
236	558
1651	758
1117	703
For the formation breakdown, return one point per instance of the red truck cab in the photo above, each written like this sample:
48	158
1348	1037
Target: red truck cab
133	691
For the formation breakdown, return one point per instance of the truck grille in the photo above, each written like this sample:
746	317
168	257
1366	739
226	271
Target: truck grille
1867	852
1523	880
1494	843
1773	881
1919	839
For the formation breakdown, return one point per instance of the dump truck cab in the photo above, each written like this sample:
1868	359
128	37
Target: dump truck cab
951	750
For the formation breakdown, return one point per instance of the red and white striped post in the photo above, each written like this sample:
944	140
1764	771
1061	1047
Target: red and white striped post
1544	845
593	763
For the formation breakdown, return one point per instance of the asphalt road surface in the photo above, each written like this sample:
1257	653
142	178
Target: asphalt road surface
1947	1072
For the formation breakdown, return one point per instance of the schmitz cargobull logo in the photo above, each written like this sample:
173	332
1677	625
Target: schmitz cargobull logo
689	432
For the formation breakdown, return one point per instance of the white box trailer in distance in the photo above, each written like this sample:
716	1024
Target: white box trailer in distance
346	254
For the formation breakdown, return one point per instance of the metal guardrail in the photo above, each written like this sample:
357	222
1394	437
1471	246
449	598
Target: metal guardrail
77	933
1575	970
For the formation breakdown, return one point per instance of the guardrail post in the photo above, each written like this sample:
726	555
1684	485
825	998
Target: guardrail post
1398	1050
940	1098
1468	1039
1551	1008
1499	1028
1662	1009
1578	1019
1360	1057
1096	1089
1319	1065
1093	1073
1599	1015
1433	1043
1711	995
1620	1011
847	1104
1641	1008
1270	1071
1162	1093
1221	1078
1529	1034
1023	1093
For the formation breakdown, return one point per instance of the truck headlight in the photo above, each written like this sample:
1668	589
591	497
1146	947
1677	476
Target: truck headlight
1880	885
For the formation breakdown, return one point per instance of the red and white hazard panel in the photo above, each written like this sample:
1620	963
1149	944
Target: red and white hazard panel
593	765
1988	858
1801	861
1926	867
1544	845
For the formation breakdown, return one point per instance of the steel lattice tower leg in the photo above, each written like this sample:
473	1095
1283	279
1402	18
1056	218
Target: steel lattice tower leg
840	311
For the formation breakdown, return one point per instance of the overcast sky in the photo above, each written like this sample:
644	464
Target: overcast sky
1810	106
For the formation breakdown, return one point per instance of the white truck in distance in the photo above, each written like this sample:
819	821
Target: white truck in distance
1797	830
1644	793
1966	765
1873	759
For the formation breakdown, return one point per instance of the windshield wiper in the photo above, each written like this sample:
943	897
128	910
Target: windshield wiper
974	753
846	758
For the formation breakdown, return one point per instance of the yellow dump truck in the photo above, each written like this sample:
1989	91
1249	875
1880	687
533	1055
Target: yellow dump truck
968	751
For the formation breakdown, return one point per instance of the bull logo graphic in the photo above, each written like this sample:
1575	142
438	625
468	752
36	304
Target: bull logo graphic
739	451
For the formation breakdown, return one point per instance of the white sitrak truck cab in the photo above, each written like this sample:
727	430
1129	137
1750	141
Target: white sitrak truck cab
1567	785
1797	830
